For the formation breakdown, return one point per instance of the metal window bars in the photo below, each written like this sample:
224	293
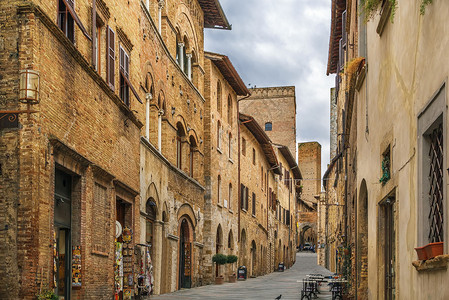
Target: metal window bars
436	185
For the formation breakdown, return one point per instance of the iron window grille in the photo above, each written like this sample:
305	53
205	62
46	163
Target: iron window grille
436	185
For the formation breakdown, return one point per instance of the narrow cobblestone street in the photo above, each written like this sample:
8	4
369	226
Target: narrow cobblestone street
265	287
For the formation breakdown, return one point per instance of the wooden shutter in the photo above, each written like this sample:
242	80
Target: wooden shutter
343	33
242	195
111	58
124	62
246	198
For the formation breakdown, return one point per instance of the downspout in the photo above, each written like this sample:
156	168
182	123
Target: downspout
239	153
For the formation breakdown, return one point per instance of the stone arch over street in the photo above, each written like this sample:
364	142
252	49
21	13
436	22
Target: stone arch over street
307	233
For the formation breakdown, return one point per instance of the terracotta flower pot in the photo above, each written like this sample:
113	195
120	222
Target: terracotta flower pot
434	249
219	280
421	251
232	278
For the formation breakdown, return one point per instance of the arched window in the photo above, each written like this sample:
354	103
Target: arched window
178	48
179	135
219	96
229	110
230	240
230	145
268	126
219	189
191	155
219	135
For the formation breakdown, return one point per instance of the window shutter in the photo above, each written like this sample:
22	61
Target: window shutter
246	198
242	195
343	33
111	57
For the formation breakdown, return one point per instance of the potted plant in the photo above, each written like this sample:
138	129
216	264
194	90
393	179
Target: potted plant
219	259
421	251
434	249
47	295
231	259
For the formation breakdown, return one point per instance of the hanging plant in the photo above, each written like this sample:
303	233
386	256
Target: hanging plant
369	8
424	3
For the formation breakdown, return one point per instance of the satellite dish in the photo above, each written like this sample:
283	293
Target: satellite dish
118	229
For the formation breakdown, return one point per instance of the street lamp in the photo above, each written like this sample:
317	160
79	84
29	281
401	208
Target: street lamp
29	87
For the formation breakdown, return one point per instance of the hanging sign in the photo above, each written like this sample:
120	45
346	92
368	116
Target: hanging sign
127	235
76	266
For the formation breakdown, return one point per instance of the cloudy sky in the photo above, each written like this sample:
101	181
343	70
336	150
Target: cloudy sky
283	42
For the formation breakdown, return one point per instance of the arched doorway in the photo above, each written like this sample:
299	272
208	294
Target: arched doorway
218	247
165	272
362	243
185	253
150	218
243	248
253	258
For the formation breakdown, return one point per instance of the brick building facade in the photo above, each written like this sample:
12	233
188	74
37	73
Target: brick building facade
274	108
118	160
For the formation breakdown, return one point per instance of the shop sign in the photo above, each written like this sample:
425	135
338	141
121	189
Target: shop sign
76	266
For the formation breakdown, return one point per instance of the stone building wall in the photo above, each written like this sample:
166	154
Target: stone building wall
278	106
254	227
221	210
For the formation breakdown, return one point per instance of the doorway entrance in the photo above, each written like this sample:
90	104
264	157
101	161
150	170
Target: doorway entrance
185	256
389	246
63	238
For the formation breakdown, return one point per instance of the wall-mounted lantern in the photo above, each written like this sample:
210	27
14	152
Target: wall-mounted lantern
29	86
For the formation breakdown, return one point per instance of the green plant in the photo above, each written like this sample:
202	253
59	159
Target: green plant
368	8
47	295
220	259
385	170
230	259
424	3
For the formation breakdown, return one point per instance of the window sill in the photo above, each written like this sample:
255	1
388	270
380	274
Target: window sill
244	210
219	205
219	150
230	160
435	264
231	211
253	215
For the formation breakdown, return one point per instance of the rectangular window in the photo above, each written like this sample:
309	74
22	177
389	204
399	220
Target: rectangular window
65	19
246	198
432	170
243	147
124	76
111	58
242	196
254	204
230	195
254	156
434	138
97	58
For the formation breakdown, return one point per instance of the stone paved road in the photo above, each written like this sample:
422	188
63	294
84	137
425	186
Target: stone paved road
265	287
